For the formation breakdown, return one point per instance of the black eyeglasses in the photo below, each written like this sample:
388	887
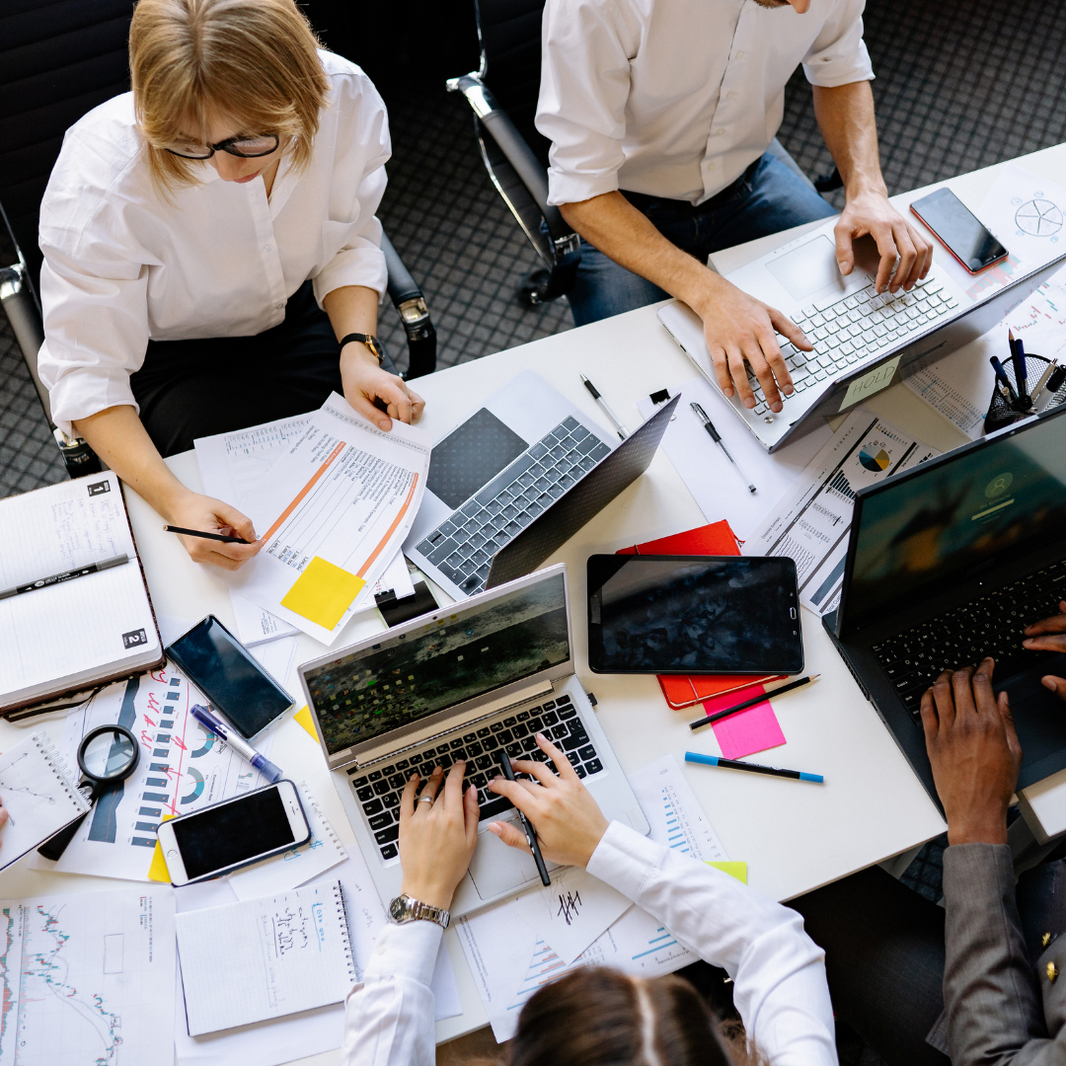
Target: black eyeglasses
244	147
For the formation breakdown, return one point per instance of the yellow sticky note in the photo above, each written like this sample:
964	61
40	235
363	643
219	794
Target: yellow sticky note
158	870
739	870
323	592
303	716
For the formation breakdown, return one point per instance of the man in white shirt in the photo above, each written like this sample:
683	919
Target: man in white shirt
660	113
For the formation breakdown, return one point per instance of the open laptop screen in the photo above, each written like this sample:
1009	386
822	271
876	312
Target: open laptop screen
452	659
916	531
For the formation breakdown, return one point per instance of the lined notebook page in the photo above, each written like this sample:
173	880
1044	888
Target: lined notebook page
74	628
264	958
38	794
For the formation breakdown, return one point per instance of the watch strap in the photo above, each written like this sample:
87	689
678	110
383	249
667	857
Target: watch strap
370	340
404	909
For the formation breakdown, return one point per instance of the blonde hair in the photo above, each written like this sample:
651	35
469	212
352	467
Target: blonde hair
253	61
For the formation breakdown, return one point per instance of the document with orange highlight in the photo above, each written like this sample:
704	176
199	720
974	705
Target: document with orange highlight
332	515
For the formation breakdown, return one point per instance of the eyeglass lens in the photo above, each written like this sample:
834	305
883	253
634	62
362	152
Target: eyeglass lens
245	147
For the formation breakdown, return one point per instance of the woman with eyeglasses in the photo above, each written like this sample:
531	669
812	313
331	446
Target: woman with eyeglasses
211	256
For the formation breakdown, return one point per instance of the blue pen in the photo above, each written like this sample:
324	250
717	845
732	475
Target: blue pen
1006	390
236	742
751	767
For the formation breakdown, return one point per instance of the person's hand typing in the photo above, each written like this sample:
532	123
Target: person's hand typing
1049	634
195	511
438	834
368	389
896	239
567	820
740	331
974	753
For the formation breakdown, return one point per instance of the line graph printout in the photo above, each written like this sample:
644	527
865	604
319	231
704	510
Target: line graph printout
182	767
332	515
811	523
88	980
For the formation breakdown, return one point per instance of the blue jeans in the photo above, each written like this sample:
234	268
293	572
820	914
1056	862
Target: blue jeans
767	198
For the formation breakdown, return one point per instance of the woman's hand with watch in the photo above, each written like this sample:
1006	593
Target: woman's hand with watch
372	391
438	834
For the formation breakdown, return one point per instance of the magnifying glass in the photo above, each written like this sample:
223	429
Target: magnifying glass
107	755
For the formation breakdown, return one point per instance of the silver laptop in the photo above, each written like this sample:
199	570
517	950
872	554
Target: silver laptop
466	682
516	480
863	341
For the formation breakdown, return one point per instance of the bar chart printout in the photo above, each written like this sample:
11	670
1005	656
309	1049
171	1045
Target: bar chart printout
88	980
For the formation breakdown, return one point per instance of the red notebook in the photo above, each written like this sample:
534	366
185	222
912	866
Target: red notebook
683	690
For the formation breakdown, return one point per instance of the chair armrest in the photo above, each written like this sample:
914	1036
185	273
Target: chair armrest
518	154
407	298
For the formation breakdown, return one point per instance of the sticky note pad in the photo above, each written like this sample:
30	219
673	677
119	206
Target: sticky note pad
158	870
739	870
303	716
323	592
747	732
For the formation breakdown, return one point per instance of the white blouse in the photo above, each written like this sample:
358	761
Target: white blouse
778	972
122	265
675	99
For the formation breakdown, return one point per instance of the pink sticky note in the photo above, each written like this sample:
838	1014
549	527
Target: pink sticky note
747	732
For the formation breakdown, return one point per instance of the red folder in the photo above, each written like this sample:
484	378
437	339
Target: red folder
714	539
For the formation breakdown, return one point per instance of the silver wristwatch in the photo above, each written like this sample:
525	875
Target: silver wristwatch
403	909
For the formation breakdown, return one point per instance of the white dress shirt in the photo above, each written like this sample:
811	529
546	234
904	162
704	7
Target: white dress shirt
778	971
674	98
121	265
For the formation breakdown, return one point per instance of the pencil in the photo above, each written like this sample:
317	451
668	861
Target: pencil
205	536
719	715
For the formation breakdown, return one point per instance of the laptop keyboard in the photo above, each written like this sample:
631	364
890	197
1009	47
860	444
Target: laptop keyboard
462	547
849	331
991	625
378	790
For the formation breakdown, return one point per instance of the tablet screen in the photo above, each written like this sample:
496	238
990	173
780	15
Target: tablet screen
670	614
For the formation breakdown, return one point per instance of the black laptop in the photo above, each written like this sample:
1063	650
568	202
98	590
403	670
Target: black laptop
948	563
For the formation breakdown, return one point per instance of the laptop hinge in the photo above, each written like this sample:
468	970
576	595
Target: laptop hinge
472	717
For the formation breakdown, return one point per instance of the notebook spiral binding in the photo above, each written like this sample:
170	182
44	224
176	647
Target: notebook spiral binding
353	972
58	766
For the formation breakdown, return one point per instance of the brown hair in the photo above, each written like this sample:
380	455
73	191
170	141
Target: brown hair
253	61
602	1017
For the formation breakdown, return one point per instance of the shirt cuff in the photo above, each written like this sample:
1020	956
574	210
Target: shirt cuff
570	188
829	71
623	859
84	391
408	950
364	265
976	872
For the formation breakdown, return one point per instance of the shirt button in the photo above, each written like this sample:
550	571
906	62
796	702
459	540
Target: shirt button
268	247
740	55
730	94
718	132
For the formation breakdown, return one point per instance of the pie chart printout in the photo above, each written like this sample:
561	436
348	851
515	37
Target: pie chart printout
1039	218
875	462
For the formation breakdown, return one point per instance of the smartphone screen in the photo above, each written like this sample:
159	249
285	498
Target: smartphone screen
232	833
959	230
694	614
225	672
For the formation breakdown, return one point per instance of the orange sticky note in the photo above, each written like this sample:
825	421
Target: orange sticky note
323	592
158	870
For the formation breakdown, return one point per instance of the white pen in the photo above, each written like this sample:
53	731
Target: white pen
622	431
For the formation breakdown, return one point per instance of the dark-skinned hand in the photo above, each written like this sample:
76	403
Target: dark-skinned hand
1049	634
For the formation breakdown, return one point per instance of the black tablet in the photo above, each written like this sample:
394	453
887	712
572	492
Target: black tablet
693	614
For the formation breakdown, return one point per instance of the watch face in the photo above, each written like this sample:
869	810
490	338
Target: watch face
398	908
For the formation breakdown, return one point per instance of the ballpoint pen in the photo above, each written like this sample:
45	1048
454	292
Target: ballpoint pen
716	437
527	825
1038	389
622	431
236	742
1017	349
1006	390
709	719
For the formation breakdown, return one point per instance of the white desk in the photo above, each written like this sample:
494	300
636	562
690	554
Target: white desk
793	838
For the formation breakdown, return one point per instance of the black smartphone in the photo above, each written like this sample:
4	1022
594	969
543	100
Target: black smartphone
234	833
959	230
223	669
693	614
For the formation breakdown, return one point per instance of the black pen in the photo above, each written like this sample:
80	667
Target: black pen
716	437
66	575
719	715
595	393
531	833
205	536
1017	349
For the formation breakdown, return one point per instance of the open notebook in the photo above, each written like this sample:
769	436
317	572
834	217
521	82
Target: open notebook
39	795
76	633
264	958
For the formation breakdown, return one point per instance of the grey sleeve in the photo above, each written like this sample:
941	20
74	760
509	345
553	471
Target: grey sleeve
991	997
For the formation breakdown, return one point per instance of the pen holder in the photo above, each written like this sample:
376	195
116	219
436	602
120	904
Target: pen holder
1000	412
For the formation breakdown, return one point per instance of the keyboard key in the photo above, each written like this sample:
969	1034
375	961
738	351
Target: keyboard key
484	732
397	781
457	743
567	712
374	775
558	732
387	835
496	805
365	793
523	716
594	767
560	700
374	806
389	851
379	821
391	800
587	752
551	718
381	788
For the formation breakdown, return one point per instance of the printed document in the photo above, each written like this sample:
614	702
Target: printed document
812	522
332	514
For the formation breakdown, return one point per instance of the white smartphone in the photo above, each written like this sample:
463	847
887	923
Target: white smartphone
233	833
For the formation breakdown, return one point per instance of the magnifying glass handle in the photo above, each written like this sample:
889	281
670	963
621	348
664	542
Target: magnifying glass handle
54	847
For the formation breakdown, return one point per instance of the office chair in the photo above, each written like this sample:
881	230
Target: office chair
515	153
57	62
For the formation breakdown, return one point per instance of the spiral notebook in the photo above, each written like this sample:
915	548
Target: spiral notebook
264	958
39	795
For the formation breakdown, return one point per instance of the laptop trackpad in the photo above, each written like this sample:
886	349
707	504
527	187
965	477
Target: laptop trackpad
496	868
